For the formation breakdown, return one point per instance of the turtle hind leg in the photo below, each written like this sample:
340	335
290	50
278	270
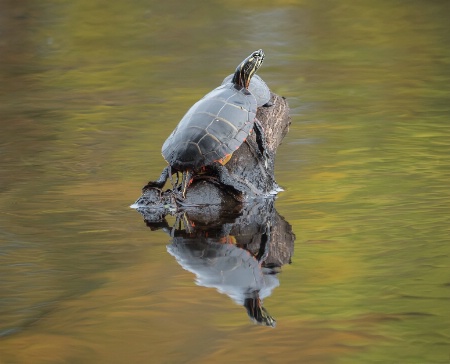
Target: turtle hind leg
161	181
185	182
261	141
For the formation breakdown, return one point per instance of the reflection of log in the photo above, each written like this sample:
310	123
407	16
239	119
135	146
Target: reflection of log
245	165
249	230
256	227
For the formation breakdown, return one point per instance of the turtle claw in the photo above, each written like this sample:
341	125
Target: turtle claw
266	158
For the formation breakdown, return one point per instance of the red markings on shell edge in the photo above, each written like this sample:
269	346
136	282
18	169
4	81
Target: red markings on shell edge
224	160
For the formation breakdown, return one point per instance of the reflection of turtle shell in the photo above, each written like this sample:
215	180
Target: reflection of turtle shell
231	270
258	88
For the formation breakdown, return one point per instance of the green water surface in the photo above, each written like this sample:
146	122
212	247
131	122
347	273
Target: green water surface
89	91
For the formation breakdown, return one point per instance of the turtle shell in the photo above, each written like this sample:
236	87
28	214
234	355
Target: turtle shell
257	87
212	129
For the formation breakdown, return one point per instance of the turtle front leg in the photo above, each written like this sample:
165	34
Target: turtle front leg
261	141
160	182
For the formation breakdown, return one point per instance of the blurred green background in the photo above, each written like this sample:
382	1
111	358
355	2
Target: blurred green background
89	91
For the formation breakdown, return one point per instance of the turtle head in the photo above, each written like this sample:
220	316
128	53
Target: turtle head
257	313
247	68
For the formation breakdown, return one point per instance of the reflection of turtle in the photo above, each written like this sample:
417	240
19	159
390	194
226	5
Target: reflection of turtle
231	270
214	128
237	252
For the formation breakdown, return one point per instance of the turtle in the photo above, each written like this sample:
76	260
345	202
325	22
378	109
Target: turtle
258	88
212	129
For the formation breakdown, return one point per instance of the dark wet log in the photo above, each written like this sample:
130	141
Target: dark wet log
246	166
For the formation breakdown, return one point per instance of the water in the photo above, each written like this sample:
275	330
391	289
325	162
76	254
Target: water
89	92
